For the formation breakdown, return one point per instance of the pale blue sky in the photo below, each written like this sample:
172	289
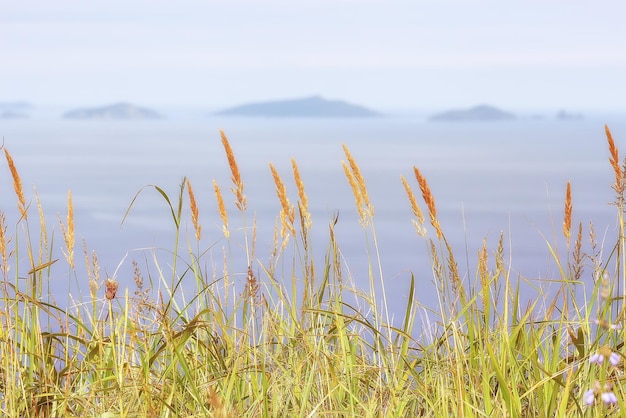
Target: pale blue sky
383	54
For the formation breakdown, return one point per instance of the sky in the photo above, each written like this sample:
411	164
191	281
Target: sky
386	54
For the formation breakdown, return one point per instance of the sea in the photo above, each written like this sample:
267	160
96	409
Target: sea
488	179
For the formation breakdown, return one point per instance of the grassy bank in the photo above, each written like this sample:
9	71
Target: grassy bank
298	339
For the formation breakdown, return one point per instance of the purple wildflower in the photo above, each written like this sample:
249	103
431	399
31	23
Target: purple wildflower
608	398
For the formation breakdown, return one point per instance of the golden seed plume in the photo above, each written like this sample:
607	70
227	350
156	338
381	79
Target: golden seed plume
358	197
483	272
43	234
360	181
577	255
222	209
303	203
287	213
194	211
68	231
93	271
567	216
430	201
17	185
3	245
417	212
241	201
614	160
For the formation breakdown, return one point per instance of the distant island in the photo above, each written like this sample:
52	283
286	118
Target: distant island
477	113
565	115
314	106
125	111
12	114
14	110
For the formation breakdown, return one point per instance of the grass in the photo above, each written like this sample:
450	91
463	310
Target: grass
292	341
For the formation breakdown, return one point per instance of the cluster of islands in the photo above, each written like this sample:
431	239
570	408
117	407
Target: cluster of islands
307	107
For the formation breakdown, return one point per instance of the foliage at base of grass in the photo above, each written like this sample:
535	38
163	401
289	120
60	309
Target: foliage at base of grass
293	342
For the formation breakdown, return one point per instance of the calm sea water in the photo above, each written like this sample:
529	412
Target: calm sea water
486	178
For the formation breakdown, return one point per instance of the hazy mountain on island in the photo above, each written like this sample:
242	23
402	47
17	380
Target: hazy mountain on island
314	106
124	111
14	110
478	113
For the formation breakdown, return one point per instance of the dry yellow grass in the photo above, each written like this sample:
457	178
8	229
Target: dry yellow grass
359	181
287	213
303	202
93	271
221	208
68	231
430	201
241	201
3	246
194	211
567	215
417	212
358	197
17	185
614	159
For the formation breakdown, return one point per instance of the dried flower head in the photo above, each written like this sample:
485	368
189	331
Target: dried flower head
111	288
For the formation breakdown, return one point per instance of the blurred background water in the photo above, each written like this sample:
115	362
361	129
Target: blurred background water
486	178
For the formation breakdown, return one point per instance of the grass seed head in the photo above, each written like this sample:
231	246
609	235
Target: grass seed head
241	201
614	160
360	181
430	201
194	211
287	213
303	204
17	185
358	197
418	223
221	208
68	231
567	216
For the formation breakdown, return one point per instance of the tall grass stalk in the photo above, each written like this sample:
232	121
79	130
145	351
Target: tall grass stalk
291	335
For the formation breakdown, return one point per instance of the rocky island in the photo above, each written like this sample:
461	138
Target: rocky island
125	111
314	106
477	113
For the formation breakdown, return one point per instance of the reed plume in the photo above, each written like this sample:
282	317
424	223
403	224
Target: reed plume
567	216
303	202
93	271
241	201
68	231
194	211
287	213
360	181
221	208
614	160
430	201
417	212
3	245
358	197
483	272
17	185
